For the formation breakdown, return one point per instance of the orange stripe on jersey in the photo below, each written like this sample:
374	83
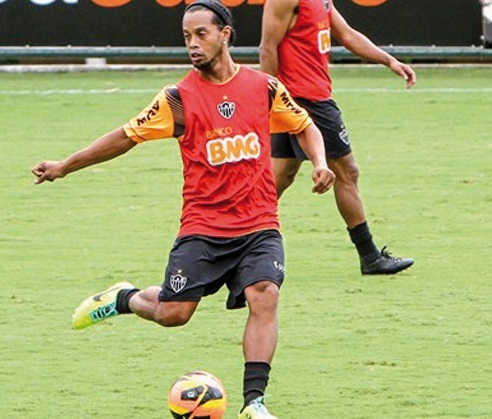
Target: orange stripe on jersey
285	114
155	122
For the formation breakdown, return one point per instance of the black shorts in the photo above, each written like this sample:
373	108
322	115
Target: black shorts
201	265
328	118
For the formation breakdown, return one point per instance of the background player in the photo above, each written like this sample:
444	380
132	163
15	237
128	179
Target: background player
295	46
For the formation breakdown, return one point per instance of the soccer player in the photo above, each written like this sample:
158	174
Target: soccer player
295	47
222	114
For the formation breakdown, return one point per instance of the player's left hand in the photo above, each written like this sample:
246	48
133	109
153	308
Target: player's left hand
323	179
404	71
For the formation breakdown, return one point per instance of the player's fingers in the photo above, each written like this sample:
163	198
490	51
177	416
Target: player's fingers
41	178
410	76
37	170
321	188
411	81
44	176
323	181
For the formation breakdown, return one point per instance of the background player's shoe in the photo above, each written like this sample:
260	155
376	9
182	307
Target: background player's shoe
256	410
98	307
385	264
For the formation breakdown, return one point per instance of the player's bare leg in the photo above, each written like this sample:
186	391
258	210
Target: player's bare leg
259	344
351	208
285	171
124	298
261	332
346	190
146	304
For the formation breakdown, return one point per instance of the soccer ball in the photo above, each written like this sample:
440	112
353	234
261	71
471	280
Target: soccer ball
197	395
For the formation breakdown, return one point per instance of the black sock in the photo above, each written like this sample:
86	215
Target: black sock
362	238
123	300
255	380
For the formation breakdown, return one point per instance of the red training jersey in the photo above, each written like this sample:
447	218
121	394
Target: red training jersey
224	137
304	52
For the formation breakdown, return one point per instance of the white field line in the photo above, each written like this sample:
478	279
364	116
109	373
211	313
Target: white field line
68	92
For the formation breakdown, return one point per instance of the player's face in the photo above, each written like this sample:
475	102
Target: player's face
204	40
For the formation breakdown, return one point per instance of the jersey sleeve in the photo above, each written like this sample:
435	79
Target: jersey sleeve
285	114
155	122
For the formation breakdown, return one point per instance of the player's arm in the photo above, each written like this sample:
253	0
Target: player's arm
362	46
107	147
156	121
276	21
311	142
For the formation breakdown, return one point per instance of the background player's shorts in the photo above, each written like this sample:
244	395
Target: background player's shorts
201	265
328	118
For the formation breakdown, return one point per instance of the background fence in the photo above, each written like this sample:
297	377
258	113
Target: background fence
146	23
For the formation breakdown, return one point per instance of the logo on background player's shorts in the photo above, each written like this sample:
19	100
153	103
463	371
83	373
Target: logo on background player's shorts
226	109
178	282
279	266
343	134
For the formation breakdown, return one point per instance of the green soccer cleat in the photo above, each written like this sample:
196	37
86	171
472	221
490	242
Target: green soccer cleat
256	410
98	307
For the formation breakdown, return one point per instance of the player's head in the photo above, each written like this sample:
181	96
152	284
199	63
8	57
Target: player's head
208	30
222	16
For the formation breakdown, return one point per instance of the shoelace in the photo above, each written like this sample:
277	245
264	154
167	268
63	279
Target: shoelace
387	255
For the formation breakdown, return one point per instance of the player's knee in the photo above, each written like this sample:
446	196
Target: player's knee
172	319
349	174
263	296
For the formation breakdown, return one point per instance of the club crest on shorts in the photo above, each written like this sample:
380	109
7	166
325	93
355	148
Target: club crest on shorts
344	136
178	282
326	3
226	109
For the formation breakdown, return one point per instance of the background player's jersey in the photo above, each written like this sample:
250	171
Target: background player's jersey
224	137
303	54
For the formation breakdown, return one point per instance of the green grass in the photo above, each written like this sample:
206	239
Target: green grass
415	345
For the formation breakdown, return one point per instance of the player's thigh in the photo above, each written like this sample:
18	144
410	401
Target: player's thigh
191	272
328	118
285	168
262	260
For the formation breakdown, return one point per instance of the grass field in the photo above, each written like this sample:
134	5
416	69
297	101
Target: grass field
415	345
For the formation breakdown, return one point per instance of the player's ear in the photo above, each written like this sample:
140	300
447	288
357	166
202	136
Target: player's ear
228	34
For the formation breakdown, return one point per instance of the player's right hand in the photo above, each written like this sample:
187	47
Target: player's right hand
48	171
323	179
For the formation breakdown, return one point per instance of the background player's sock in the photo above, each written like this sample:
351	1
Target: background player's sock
362	239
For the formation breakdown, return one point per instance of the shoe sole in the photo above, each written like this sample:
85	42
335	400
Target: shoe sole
392	272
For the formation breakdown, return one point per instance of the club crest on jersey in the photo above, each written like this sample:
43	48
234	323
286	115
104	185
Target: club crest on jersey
178	282
226	109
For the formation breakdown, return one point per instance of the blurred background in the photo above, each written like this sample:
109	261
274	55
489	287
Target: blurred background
45	30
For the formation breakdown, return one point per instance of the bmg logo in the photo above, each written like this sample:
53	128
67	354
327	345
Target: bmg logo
229	150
